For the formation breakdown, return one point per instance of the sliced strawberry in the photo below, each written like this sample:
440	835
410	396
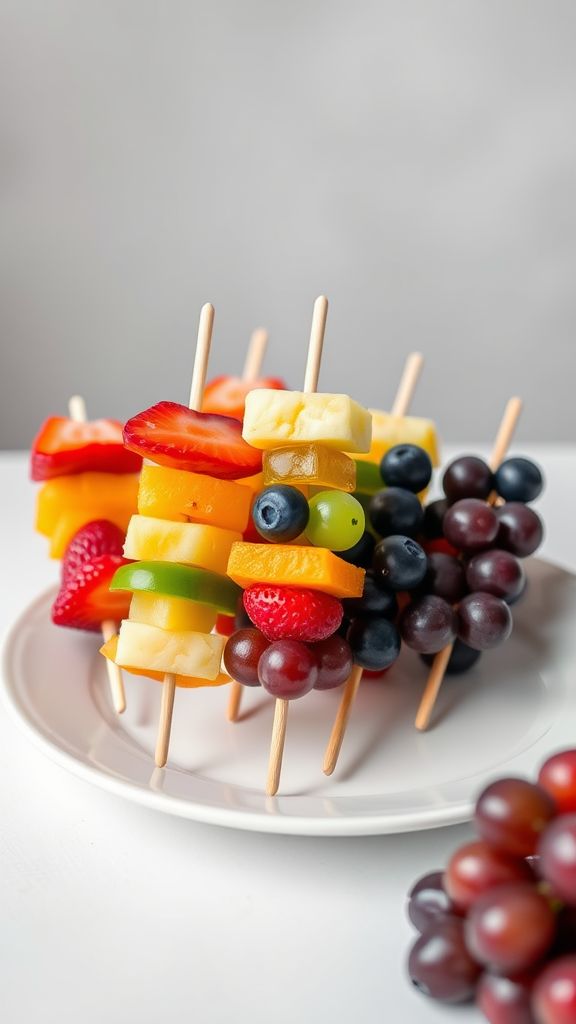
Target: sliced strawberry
85	600
100	537
176	436
64	447
292	613
227	395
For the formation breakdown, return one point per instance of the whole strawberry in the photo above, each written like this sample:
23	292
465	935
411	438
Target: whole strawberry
292	613
100	537
85	600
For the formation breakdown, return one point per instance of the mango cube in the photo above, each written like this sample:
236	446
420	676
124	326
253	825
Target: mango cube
109	650
295	565
159	540
66	503
276	418
310	464
175	493
174	613
186	652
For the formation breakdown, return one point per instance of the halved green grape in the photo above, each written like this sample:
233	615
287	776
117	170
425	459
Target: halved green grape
336	521
174	580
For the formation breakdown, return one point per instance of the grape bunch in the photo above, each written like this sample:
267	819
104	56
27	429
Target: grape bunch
454	565
499	925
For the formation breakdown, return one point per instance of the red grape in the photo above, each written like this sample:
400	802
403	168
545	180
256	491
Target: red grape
557	850
334	660
554	996
462	658
484	621
512	813
496	572
428	901
558	777
520	529
504	1000
477	867
242	653
510	928
444	577
441	966
428	624
470	525
467	477
288	669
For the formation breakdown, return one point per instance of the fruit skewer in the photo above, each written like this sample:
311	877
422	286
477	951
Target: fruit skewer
77	412
400	407
503	440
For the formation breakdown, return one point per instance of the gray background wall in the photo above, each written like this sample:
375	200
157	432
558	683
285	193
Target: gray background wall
415	160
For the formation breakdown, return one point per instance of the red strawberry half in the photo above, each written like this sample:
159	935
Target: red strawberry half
176	436
292	613
84	599
100	537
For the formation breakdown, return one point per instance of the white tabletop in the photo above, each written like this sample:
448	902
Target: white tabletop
110	912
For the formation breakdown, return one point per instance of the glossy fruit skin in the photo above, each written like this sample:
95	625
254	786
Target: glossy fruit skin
461	659
334	660
428	901
440	964
504	1000
428	624
396	511
467	477
476	868
558	777
288	670
496	572
374	601
520	529
484	621
280	513
557	851
399	563
174	435
512	814
554	994
444	577
85	600
242	653
434	514
336	520
510	929
375	642
406	466
292	613
100	537
518	479
361	553
470	525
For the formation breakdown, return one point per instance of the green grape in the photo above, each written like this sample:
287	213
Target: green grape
368	477
336	521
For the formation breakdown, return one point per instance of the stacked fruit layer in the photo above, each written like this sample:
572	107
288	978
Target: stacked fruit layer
499	924
294	585
191	511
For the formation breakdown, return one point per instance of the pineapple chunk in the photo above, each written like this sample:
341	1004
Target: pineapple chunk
191	682
175	613
275	418
185	653
388	430
160	540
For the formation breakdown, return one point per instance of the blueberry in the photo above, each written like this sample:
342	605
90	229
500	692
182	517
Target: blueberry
396	510
280	513
519	480
433	515
399	563
374	601
375	642
408	466
361	553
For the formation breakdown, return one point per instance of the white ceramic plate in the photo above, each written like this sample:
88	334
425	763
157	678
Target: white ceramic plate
503	717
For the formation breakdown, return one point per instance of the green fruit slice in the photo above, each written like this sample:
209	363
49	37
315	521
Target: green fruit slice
170	579
368	478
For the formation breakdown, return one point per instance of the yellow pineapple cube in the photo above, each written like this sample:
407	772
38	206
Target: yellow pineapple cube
184	652
159	540
174	613
275	418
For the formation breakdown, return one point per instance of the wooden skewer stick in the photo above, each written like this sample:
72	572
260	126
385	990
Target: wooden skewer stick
440	663
203	343
401	404
311	376
252	368
77	412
